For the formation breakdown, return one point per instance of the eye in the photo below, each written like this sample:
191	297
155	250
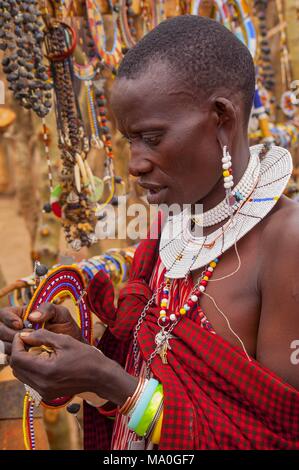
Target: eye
127	138
151	140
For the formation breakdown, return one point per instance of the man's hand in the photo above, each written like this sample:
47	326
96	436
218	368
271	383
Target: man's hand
73	367
10	323
57	318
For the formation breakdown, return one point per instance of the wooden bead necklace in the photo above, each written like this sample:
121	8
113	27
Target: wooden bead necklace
21	39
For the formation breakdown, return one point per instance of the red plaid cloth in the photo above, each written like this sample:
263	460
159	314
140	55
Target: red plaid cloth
214	397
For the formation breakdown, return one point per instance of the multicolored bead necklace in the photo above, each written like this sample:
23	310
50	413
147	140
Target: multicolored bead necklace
111	57
193	298
167	321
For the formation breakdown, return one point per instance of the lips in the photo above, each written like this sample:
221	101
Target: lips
155	192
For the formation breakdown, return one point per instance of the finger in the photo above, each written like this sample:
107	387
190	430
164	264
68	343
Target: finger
18	346
12	317
21	360
49	313
6	346
40	337
7	334
3	359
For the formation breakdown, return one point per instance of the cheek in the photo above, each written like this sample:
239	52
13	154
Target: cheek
196	152
196	165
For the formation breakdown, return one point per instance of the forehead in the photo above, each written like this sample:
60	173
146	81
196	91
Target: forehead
155	94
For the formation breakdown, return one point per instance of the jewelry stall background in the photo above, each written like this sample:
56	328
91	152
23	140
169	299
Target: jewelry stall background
28	233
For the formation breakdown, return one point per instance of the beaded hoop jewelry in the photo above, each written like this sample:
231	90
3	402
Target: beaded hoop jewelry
235	16
126	23
62	281
96	23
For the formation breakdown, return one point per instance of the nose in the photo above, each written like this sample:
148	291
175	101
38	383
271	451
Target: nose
139	164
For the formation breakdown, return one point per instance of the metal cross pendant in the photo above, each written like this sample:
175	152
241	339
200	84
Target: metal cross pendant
162	342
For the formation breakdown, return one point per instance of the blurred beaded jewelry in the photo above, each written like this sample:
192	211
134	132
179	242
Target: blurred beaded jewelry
76	180
111	57
21	40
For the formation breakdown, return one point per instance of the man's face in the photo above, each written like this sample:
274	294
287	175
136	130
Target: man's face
174	151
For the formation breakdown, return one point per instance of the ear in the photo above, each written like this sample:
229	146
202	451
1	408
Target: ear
226	116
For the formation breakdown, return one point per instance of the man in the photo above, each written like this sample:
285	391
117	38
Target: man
182	98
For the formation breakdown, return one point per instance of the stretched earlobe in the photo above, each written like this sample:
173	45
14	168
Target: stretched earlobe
227	118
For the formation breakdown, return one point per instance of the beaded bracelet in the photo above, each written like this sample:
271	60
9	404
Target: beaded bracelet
142	404
150	412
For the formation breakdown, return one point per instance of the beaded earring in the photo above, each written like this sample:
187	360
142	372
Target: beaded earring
227	176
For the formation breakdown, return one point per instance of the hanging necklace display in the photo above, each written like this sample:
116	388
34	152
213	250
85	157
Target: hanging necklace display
96	109
126	23
109	179
21	39
78	210
235	16
87	72
275	170
157	13
152	13
288	100
78	20
264	67
111	57
245	25
62	281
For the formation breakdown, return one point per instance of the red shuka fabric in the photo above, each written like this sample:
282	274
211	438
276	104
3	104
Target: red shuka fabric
214	397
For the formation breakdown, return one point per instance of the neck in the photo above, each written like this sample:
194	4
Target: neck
240	157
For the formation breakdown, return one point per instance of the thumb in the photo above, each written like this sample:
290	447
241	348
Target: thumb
18	345
48	312
42	337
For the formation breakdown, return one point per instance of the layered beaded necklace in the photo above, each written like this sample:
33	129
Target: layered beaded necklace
240	193
168	321
183	253
197	251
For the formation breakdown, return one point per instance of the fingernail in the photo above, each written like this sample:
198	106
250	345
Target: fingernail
24	333
34	316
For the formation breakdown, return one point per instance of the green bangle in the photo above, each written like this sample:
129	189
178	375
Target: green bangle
150	412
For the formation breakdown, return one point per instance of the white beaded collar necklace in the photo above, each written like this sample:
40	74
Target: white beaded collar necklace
239	193
182	252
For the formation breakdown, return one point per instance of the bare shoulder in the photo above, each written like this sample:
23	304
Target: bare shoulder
279	289
280	230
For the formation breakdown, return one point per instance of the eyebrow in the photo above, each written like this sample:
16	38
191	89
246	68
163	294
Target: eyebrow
145	126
